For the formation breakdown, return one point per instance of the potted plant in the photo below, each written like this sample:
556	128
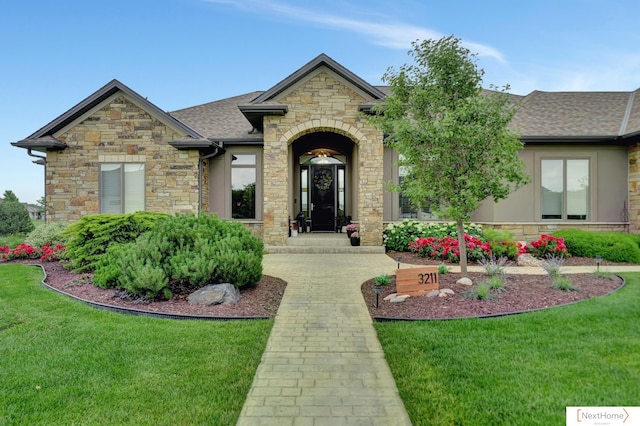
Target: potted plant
352	227
341	220
294	231
355	238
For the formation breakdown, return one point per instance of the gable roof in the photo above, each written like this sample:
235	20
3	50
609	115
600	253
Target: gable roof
43	138
312	65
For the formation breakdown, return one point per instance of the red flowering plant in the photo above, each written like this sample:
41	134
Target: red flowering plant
548	245
46	253
447	248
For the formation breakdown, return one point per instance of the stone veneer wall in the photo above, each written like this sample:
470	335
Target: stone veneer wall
634	188
119	132
322	103
531	231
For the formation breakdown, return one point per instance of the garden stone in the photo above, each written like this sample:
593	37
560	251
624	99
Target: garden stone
528	260
215	294
464	281
391	296
433	293
398	299
447	291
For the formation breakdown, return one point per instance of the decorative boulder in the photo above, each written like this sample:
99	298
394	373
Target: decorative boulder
528	260
464	281
215	294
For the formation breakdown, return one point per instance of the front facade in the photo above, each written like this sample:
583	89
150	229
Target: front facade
304	149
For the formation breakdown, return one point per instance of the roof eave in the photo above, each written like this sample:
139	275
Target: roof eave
255	113
42	145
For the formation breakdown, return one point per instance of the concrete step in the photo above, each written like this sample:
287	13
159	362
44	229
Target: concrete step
320	249
322	240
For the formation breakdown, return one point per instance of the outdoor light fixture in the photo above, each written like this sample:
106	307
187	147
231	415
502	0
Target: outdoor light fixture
377	287
598	260
399	259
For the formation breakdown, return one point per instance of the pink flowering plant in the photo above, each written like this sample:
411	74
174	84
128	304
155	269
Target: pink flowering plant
46	253
447	248
548	245
352	227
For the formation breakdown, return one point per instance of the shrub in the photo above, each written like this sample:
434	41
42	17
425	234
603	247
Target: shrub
89	238
494	266
613	246
480	292
563	283
383	279
552	265
443	269
496	283
49	233
397	236
14	218
183	253
548	245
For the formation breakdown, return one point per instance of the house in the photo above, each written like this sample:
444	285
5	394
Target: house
305	146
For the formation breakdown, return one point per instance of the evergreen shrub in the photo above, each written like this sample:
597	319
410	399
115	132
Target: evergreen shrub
89	238
14	218
48	233
613	246
184	252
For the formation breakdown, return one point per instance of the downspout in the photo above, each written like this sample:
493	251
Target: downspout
44	163
200	172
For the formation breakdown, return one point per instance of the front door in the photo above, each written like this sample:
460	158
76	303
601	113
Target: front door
323	197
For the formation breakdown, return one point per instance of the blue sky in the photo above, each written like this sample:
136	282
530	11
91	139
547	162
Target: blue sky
181	53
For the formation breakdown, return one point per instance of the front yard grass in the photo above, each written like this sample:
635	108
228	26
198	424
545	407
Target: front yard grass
522	369
62	362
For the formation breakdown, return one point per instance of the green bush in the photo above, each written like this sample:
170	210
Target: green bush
48	233
397	236
89	238
502	243
14	218
182	253
613	246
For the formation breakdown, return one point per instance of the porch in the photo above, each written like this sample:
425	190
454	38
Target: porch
322	243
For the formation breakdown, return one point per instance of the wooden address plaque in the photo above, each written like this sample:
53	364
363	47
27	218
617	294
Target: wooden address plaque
417	281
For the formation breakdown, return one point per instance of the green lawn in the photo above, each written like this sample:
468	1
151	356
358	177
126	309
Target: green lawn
62	362
522	369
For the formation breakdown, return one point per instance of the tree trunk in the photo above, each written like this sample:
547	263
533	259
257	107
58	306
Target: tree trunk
463	248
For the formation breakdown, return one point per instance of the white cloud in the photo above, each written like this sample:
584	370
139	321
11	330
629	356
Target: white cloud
394	35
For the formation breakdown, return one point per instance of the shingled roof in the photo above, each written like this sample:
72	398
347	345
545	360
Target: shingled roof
578	115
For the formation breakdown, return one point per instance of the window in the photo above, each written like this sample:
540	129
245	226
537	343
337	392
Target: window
243	186
565	189
121	187
406	208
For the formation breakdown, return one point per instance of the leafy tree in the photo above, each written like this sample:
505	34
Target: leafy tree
14	217
452	135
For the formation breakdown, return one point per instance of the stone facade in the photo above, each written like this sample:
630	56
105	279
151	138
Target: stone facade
118	131
634	188
531	231
322	103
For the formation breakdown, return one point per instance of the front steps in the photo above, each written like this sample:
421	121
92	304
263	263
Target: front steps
322	243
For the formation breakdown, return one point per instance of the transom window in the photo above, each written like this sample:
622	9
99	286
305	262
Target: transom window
122	187
565	189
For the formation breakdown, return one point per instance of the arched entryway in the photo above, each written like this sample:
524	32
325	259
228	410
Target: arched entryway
323	186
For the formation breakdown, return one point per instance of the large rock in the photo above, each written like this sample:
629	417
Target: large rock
464	281
528	260
215	294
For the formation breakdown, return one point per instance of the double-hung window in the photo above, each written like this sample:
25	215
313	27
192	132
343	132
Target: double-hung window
122	187
565	188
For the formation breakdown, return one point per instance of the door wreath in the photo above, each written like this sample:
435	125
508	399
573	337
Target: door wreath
323	180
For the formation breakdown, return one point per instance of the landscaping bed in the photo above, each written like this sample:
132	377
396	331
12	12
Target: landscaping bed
522	293
261	300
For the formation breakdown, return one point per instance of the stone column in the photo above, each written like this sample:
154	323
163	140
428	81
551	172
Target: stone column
634	188
371	189
275	189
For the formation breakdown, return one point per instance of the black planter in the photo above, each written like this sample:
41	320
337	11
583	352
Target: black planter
355	241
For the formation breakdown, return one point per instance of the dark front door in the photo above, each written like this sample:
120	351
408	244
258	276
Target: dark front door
323	198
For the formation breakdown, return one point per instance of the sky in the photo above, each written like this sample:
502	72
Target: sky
182	53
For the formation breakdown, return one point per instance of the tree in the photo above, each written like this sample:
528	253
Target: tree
14	217
450	134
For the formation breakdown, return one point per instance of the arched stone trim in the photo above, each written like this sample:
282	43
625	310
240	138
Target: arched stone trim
323	125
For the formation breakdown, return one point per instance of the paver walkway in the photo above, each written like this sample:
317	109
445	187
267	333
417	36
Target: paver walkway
323	364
